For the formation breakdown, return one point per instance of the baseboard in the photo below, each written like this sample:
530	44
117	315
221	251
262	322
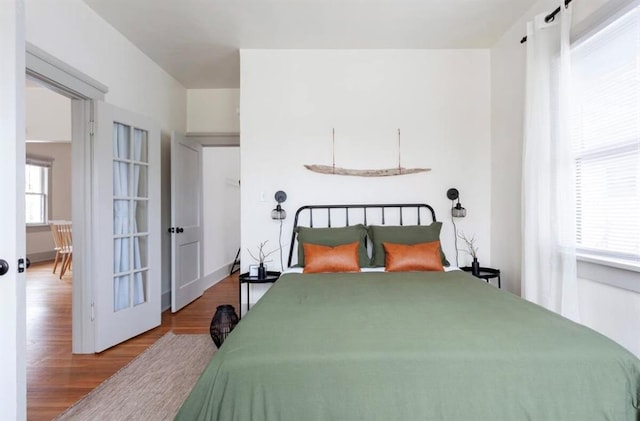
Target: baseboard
217	275
42	256
209	281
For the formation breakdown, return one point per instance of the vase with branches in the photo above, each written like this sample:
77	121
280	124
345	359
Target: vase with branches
261	258
472	250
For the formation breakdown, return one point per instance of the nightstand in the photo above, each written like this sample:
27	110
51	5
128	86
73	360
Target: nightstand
486	274
245	278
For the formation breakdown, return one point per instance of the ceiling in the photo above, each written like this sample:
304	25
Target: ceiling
197	41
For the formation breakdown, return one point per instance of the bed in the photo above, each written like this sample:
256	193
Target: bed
436	345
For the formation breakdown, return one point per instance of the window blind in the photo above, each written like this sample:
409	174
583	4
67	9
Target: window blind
605	131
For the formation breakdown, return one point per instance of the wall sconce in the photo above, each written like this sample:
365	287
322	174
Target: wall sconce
456	211
278	213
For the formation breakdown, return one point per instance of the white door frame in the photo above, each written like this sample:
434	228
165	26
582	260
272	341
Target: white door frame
82	89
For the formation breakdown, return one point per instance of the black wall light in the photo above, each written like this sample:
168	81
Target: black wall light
278	213
457	211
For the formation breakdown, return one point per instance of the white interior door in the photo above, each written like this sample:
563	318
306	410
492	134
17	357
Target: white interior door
126	252
187	282
13	388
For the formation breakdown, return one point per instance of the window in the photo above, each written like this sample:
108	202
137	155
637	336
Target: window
37	191
605	130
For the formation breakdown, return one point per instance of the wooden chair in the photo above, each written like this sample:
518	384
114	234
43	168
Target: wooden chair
66	249
57	240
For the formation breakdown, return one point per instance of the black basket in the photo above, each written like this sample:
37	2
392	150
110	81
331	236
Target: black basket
223	323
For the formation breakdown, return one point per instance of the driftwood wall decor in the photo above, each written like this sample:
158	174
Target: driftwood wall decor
385	172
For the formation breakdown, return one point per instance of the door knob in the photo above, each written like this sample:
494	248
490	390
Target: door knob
179	230
4	267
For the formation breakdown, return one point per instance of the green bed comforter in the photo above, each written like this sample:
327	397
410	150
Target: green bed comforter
411	346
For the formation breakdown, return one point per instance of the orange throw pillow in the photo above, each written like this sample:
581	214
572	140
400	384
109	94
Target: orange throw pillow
342	258
405	258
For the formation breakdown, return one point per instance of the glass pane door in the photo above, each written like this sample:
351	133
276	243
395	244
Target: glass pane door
130	216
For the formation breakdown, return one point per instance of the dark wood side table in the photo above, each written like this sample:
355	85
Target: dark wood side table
245	278
485	273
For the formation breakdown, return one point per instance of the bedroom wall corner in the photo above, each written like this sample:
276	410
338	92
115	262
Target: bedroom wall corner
292	99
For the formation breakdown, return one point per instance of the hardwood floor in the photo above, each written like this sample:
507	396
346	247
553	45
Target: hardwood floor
56	379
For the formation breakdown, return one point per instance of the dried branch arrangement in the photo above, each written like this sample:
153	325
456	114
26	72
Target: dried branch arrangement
472	248
262	254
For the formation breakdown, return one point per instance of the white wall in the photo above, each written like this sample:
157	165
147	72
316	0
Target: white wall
291	100
612	311
221	173
75	34
48	115
213	110
39	242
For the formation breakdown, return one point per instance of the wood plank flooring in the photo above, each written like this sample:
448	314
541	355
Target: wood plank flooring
56	379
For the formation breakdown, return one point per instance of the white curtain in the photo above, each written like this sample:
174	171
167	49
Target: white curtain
138	284
124	217
121	263
548	208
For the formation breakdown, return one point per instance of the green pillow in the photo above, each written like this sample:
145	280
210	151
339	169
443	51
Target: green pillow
406	234
334	237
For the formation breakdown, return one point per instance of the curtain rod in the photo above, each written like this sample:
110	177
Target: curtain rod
551	16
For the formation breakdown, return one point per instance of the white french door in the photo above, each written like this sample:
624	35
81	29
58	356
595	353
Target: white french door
126	225
187	282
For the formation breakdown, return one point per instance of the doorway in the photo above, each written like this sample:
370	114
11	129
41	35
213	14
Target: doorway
46	70
55	120
48	168
48	198
221	207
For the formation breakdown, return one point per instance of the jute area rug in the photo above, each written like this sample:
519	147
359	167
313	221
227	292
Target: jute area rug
151	387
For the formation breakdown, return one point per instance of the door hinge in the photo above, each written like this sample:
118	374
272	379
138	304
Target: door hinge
93	312
92	127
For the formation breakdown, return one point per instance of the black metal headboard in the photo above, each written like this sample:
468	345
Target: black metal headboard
413	212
